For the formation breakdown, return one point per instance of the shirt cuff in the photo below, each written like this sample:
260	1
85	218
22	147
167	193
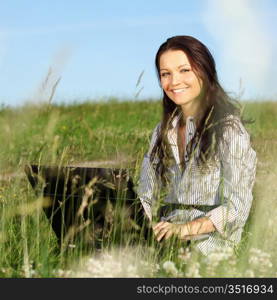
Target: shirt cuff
219	217
147	209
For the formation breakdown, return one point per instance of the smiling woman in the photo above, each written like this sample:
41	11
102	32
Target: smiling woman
200	153
179	81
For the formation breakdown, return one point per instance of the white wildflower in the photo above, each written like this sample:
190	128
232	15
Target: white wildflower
193	270
260	261
170	268
62	273
117	263
219	254
249	273
217	257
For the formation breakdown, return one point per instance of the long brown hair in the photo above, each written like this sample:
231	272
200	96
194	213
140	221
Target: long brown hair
217	103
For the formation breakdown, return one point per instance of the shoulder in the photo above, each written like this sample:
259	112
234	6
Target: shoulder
153	136
235	138
158	127
156	132
234	128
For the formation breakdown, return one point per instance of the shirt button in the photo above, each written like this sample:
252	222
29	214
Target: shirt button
190	133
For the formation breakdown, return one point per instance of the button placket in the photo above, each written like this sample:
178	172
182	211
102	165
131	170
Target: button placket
189	134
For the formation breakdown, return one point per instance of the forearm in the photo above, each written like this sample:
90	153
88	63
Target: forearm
183	231
198	226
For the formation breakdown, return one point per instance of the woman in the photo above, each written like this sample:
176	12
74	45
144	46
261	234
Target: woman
200	153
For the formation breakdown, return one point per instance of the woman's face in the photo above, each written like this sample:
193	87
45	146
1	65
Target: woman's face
179	81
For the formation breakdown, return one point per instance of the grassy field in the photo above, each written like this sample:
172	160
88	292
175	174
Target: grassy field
117	134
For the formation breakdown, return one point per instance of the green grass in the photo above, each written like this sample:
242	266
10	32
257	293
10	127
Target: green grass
85	132
117	131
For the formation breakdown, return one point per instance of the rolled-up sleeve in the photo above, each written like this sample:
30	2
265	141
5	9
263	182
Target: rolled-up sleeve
148	181
238	165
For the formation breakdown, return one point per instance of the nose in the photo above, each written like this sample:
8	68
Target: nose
175	79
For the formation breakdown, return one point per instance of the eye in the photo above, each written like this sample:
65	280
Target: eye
185	70
165	74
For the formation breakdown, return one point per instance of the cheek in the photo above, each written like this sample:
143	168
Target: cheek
199	86
196	83
191	79
164	84
196	86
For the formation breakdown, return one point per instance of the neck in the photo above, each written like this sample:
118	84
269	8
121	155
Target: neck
193	110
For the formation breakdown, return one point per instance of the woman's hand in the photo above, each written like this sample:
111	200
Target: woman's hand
183	231
166	230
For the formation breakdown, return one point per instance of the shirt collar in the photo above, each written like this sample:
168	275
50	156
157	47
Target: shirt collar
175	120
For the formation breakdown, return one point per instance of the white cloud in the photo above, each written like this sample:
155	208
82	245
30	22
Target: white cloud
243	39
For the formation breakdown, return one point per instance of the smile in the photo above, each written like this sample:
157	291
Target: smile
179	90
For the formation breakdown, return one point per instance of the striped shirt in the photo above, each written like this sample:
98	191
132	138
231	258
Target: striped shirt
224	190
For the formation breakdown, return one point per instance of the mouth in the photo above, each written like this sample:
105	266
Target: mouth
176	91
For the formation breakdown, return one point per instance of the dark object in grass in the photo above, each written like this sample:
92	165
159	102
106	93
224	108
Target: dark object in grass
98	204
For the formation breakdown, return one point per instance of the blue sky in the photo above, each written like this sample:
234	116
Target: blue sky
99	48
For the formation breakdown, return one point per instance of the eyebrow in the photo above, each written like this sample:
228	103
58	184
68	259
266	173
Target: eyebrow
178	67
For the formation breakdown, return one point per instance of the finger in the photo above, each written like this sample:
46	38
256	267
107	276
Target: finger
164	225
158	225
161	226
161	234
158	230
168	234
160	237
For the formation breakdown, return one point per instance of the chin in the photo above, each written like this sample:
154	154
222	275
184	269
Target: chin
179	101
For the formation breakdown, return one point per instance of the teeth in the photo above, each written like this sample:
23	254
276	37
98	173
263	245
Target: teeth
179	91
